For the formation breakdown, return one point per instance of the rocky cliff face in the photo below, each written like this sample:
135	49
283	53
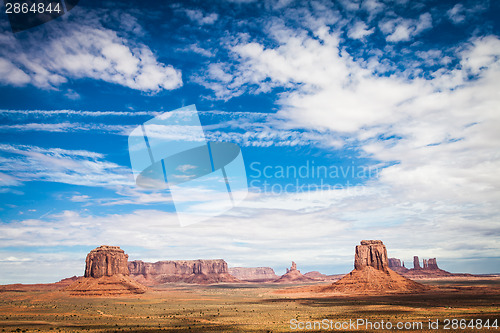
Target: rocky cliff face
371	253
416	263
253	273
106	273
396	265
106	261
432	264
190	271
372	274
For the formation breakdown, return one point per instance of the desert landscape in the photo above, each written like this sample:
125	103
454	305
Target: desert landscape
205	295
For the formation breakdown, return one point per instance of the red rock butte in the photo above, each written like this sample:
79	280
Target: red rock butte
293	275
106	261
371	253
371	274
106	274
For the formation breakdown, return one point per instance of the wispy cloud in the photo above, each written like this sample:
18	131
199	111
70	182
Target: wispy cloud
76	113
78	167
243	128
68	127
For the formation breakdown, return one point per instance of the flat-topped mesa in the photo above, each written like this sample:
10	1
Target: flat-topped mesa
395	263
253	273
190	271
106	261
371	253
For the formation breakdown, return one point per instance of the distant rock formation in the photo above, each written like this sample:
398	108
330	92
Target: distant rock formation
432	264
253	274
429	269
292	268
416	263
293	275
106	273
189	271
315	275
372	274
396	265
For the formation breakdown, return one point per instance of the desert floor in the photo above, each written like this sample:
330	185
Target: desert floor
253	308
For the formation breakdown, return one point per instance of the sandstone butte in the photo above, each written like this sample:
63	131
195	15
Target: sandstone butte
293	275
371	274
190	271
106	273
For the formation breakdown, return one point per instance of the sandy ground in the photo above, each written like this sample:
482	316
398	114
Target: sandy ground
252	308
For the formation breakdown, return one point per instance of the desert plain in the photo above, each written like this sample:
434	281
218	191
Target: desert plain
248	307
115	295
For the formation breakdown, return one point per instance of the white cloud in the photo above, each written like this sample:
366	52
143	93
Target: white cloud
455	14
199	50
185	167
6	180
483	55
440	133
79	198
459	13
243	128
11	74
76	51
57	113
399	29
76	167
199	17
285	226
68	127
373	8
359	30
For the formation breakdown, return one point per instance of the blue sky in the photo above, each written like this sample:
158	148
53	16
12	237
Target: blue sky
405	92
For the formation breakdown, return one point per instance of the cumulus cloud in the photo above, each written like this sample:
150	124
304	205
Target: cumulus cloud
75	51
373	7
460	13
439	133
399	29
199	17
359	30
